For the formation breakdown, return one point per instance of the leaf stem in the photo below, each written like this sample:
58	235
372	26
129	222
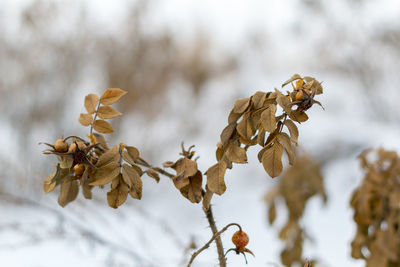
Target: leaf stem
142	162
95	117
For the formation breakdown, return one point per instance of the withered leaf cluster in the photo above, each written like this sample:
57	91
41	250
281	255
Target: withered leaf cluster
298	184
94	109
89	163
376	204
188	179
253	120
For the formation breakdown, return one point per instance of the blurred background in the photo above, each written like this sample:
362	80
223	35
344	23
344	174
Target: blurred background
183	64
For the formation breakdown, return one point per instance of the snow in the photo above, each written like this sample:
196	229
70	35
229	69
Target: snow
156	230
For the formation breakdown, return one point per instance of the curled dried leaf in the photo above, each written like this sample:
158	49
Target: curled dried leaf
293	78
186	167
169	164
153	175
216	178
298	116
193	190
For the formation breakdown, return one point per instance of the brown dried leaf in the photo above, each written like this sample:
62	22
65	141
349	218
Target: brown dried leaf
261	136
227	133
107	112
106	173
66	161
91	102
314	85
244	127
284	140
117	196
236	154
101	140
284	102
85	119
86	188
60	176
136	190
111	95
116	181
293	78
129	175
186	167
169	164
215	178
258	99
102	126
49	184
298	116
271	213
272	160
153	175
268	121
194	188
233	117
127	157
108	156
137	169
133	152
87	191
68	192
294	132
181	182
241	105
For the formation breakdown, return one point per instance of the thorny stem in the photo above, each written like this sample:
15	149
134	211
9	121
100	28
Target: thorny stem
210	218
218	241
215	237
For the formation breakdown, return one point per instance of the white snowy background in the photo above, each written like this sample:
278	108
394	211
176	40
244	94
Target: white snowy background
352	46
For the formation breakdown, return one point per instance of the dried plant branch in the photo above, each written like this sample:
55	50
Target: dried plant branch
216	236
142	162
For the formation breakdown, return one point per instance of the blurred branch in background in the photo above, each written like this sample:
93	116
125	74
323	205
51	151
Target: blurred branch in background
55	53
